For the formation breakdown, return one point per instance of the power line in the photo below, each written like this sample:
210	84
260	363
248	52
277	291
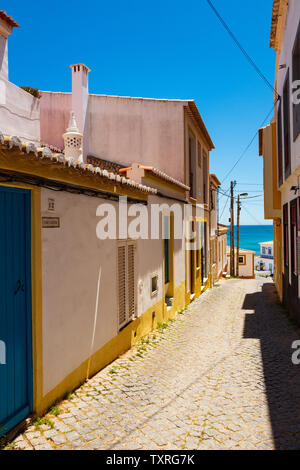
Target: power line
249	191
250	184
249	145
253	217
227	200
249	197
222	194
256	68
250	60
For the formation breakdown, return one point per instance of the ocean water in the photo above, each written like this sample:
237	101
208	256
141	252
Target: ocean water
251	235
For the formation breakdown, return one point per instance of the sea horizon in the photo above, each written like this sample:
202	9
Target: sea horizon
251	236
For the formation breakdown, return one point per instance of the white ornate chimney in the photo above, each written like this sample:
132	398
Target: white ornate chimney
80	96
6	26
73	140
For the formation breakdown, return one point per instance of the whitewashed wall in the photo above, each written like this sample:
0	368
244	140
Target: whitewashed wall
72	260
19	112
292	23
222	253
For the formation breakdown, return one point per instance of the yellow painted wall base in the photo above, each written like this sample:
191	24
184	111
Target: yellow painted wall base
118	345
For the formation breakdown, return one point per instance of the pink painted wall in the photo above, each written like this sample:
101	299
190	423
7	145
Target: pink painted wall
122	130
55	113
127	130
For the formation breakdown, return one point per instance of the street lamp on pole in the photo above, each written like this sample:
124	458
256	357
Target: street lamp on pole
238	231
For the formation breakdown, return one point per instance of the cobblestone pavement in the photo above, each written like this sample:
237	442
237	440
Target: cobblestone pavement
218	377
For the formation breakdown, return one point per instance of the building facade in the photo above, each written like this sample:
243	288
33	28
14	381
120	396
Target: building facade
84	180
222	250
280	147
246	262
266	259
218	234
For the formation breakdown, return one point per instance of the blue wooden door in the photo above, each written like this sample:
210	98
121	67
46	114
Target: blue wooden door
15	308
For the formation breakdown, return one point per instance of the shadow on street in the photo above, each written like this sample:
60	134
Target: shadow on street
270	325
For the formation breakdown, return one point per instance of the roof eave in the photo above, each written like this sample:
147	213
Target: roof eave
8	19
197	116
274	23
215	179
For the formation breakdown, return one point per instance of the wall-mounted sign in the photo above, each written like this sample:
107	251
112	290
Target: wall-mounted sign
51	204
50	222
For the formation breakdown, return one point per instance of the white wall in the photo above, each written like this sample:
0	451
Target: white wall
213	213
247	269
292	22
72	258
19	112
222	250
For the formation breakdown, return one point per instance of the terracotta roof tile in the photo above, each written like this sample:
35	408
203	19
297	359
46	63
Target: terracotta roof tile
8	19
160	174
105	164
13	141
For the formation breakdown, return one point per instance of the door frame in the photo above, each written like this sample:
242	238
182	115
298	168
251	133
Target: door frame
28	304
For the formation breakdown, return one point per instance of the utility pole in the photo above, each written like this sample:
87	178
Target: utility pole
232	184
238	232
238	236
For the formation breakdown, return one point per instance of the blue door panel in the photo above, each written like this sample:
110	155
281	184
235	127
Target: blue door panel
15	307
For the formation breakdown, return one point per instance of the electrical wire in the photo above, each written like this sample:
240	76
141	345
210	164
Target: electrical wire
224	208
250	184
251	215
235	197
259	72
244	52
248	146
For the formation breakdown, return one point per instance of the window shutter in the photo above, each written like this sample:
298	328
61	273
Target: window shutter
131	280
126	282
294	214
122	284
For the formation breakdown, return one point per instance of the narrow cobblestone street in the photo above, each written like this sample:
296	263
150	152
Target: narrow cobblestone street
218	377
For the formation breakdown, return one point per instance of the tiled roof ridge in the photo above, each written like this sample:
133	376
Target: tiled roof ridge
44	152
9	20
51	147
105	164
161	174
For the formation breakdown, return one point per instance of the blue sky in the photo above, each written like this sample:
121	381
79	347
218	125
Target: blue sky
161	49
